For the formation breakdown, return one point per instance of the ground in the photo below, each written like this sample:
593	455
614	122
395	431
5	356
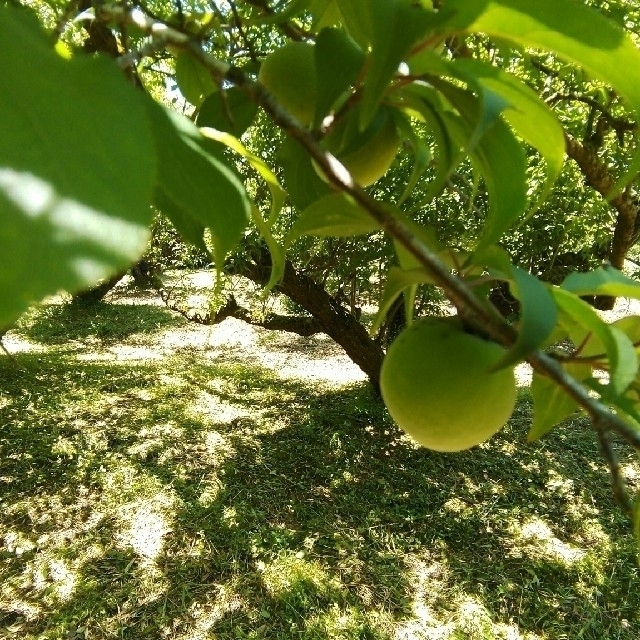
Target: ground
168	480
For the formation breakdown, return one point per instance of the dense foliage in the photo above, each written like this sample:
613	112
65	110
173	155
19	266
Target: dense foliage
457	115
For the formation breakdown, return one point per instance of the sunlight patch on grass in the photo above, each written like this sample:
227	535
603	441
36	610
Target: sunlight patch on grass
155	438
15	542
474	622
215	410
123	353
423	623
216	446
291	572
203	616
537	538
11	601
631	472
455	505
16	344
63	581
297	511
143	529
230	517
347	623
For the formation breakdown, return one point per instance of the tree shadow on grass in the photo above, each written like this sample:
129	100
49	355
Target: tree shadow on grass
106	322
290	512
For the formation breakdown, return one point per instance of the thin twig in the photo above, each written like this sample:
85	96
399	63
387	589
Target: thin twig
618	483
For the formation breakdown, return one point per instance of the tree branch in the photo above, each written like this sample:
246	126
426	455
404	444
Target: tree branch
301	325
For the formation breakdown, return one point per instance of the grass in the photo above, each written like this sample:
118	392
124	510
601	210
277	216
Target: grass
190	498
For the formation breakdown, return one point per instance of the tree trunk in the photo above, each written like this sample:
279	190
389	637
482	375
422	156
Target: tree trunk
94	294
598	176
334	319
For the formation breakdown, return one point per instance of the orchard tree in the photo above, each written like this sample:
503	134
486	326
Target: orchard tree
424	138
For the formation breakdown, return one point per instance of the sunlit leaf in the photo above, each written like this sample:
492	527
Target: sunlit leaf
278	194
276	251
574	31
526	113
581	320
604	281
75	191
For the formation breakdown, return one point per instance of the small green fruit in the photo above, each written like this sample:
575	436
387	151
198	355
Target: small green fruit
289	73
366	155
436	383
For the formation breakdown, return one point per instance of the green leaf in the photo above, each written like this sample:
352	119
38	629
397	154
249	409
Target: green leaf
278	197
575	32
397	281
499	158
278	255
278	194
592	346
325	13
426	234
396	26
627	366
230	110
357	19
410	264
538	315
421	100
334	215
195	176
76	169
338	63
526	113
581	320
551	403
303	184
190	229
630	326
480	112
421	152
193	78
604	281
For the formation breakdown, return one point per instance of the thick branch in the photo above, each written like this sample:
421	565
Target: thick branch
301	325
334	319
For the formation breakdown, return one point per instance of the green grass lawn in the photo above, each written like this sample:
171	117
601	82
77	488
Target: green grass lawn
190	497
